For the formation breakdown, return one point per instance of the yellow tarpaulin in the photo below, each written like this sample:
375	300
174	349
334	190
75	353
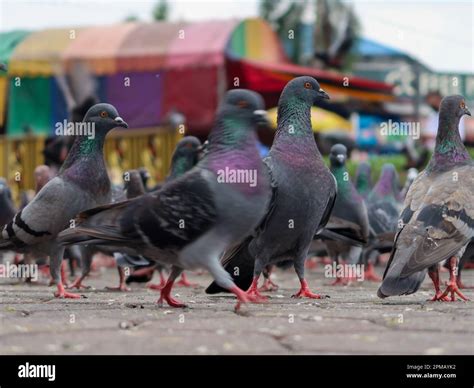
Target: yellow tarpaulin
3	92
40	52
321	119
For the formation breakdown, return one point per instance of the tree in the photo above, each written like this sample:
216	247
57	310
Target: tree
161	10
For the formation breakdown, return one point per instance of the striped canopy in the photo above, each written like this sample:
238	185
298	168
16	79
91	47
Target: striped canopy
148	69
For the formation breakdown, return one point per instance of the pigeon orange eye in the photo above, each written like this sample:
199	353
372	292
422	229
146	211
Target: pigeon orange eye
462	105
104	114
307	85
242	104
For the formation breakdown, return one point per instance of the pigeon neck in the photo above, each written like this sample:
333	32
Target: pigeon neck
294	134
229	134
363	182
85	165
179	166
84	148
294	119
449	149
385	186
342	178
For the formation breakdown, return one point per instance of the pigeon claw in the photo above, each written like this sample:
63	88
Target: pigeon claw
245	297
452	288
184	282
171	301
78	284
61	293
370	275
158	286
269	286
305	292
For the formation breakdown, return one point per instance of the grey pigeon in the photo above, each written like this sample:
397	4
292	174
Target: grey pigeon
7	207
303	195
185	156
383	210
193	219
82	183
437	222
349	218
363	179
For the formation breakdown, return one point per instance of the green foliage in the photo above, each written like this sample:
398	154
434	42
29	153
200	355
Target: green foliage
161	10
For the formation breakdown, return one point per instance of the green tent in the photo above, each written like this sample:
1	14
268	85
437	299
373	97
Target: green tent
8	42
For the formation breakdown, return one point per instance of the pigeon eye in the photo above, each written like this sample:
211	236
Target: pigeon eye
104	114
307	85
462	105
242	104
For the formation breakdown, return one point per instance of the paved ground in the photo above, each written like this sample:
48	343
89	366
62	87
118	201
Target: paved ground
352	321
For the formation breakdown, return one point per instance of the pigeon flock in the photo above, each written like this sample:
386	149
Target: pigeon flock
225	210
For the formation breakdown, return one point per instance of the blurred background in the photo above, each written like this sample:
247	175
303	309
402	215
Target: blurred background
166	64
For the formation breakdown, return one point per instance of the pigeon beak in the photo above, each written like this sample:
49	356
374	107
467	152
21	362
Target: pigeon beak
467	112
322	94
261	117
341	158
120	122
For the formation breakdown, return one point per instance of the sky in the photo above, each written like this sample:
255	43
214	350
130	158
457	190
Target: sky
440	33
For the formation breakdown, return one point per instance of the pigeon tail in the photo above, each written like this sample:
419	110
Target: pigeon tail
393	283
239	263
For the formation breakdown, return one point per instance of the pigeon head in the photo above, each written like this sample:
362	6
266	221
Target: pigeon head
144	175
454	105
105	118
338	155
388	181
245	104
305	89
363	178
185	156
133	184
3	67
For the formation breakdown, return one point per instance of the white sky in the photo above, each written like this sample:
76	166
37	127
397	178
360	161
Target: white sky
438	32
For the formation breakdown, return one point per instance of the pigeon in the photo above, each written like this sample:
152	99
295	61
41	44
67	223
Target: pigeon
304	192
82	184
349	218
7	207
363	180
437	222
383	210
194	218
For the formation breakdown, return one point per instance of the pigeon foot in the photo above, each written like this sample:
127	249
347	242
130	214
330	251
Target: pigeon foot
269	286
452	288
245	297
61	293
184	282
78	284
166	295
370	275
305	292
253	292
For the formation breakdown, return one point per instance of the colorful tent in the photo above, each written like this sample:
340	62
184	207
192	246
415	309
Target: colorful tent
35	100
8	42
149	69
